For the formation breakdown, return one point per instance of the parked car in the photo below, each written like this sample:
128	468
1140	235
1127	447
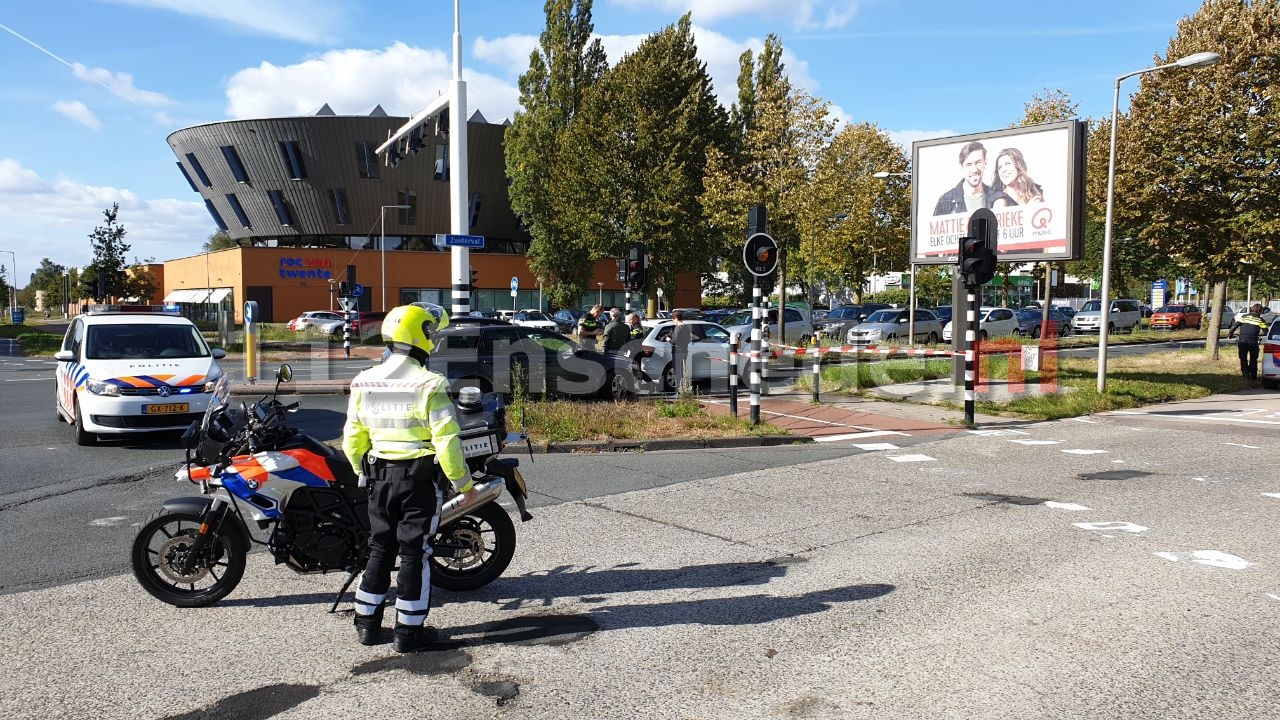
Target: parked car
312	319
1067	311
992	322
1228	316
841	319
1126	314
567	320
893	325
717	314
490	356
1269	373
1176	317
708	353
534	318
798	327
132	371
1030	321
943	312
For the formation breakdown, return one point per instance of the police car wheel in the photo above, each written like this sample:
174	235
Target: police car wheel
83	437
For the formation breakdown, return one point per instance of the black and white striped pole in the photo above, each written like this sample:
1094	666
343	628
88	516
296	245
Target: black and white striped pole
755	354
735	341
760	255
970	337
977	258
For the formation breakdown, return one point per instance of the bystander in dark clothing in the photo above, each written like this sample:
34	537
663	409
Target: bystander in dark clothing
681	337
616	333
1250	327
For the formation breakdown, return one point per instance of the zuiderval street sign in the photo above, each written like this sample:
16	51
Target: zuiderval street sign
467	241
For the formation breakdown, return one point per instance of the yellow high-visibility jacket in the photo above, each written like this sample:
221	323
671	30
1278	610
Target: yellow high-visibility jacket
400	410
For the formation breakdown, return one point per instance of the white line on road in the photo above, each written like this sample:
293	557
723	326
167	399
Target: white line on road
27	379
1037	442
1212	558
109	521
1272	495
1064	506
911	458
876	446
854	436
1116	526
1086	452
1251	447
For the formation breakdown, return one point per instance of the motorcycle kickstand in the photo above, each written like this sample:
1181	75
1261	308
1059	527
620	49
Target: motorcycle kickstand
338	600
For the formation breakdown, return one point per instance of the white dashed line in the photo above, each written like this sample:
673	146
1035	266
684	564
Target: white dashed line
1064	506
911	458
108	522
854	436
1116	526
877	446
1037	442
997	433
1086	452
1251	447
1212	558
1272	495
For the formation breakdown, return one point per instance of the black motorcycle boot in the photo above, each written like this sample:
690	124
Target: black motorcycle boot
369	628
412	638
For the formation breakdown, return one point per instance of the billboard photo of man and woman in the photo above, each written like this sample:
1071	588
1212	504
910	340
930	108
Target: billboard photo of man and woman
1032	178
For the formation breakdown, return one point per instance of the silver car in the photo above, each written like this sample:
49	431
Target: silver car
893	325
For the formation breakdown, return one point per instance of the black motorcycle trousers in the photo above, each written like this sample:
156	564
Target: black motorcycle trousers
404	512
1248	353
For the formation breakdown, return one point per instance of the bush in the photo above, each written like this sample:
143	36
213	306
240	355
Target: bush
39	343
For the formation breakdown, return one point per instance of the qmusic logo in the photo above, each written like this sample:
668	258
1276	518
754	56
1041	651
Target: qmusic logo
1041	219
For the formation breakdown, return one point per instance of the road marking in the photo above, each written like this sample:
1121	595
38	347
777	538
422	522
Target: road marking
1064	506
1037	442
1083	420
1272	495
1251	447
108	522
876	446
26	379
1200	418
911	458
1117	526
997	433
854	436
1212	558
1273	596
1086	452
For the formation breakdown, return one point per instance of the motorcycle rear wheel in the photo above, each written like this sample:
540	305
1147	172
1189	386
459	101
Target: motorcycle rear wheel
491	537
159	550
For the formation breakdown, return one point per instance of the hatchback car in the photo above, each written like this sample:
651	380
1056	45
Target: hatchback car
992	322
491	357
708	353
1030	322
567	320
1125	314
132	371
894	325
314	319
535	318
1176	317
798	328
841	319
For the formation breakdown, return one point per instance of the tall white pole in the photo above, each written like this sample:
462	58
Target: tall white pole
382	251
1103	329
460	263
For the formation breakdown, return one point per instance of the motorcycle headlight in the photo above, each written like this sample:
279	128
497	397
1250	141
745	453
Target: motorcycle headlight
98	387
209	385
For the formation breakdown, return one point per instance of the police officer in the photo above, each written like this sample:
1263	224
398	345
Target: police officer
1249	325
616	333
589	327
401	433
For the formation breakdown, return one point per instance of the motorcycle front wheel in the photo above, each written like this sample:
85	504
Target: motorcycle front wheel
161	550
473	550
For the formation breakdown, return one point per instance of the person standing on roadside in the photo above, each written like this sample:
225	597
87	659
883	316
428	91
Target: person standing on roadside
1250	326
401	434
681	337
616	332
589	327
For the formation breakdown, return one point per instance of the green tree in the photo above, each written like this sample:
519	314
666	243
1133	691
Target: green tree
142	282
109	251
1048	105
48	277
1196	166
641	140
566	63
219	241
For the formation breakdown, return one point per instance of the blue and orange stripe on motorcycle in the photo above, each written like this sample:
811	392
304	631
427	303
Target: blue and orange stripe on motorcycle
312	463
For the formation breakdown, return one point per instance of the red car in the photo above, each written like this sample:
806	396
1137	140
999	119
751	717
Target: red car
1176	317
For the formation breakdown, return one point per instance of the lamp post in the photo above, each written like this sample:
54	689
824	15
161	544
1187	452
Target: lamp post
13	285
382	247
600	296
1194	60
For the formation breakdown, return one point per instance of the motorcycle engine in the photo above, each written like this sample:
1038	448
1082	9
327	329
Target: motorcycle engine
315	533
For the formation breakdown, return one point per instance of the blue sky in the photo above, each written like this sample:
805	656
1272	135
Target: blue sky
91	88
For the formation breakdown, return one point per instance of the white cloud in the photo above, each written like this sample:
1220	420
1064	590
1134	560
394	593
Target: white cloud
120	84
906	137
510	52
801	14
316	23
79	112
403	79
54	219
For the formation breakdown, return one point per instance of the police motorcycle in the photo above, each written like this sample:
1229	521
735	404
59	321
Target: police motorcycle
308	509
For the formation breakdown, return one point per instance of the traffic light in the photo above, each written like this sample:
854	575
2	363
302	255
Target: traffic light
977	261
622	270
474	281
351	275
344	289
474	215
637	267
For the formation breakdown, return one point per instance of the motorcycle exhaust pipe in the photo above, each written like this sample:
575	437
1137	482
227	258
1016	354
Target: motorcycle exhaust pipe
460	505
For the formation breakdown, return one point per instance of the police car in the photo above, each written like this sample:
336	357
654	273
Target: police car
124	369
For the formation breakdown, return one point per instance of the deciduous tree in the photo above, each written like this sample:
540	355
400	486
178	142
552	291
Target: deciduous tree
109	251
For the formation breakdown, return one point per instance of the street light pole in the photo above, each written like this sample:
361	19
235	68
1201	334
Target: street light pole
13	284
382	248
1195	60
600	297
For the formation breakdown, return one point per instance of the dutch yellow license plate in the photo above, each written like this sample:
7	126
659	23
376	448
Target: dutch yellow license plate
165	409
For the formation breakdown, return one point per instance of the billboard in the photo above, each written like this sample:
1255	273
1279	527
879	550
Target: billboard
1032	178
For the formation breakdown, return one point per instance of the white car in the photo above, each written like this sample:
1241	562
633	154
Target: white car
992	322
708	353
315	319
534	319
133	371
799	328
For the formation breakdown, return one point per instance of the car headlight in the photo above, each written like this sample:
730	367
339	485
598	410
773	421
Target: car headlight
98	387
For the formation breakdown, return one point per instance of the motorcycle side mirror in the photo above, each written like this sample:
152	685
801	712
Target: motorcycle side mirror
283	375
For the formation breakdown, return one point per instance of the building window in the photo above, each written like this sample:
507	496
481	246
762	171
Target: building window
187	177
200	173
233	161
213	212
239	210
282	210
442	162
409	215
338	198
293	159
366	160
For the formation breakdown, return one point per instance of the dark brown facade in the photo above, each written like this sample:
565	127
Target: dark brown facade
315	181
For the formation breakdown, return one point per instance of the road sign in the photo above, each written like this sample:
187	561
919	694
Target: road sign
467	241
515	286
357	291
760	254
250	312
348	303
